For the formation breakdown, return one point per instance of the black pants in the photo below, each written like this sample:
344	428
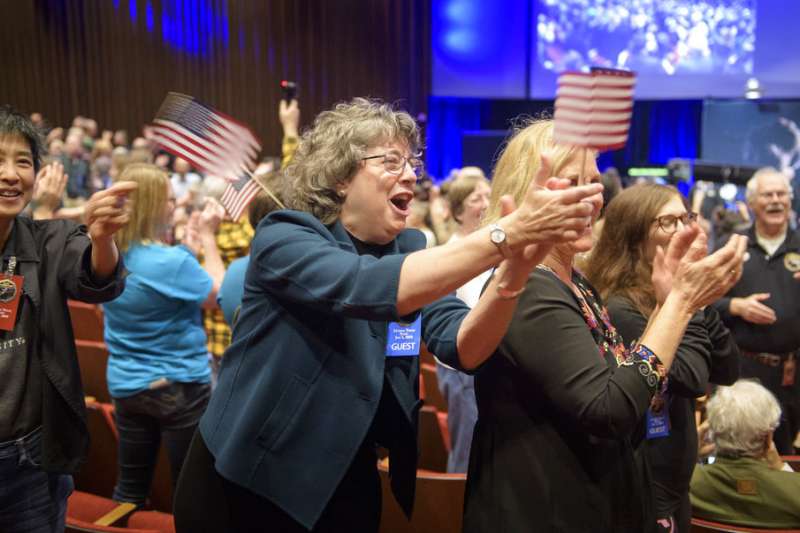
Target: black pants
169	413
205	502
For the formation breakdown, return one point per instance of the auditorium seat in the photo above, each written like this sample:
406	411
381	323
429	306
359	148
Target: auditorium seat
426	357
793	460
430	381
92	513
438	505
93	360
707	526
99	474
161	489
432	446
87	321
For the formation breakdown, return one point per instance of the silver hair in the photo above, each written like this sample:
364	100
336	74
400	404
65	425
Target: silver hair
741	416
752	183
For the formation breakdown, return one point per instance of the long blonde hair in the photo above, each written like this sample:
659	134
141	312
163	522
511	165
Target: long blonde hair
148	205
521	160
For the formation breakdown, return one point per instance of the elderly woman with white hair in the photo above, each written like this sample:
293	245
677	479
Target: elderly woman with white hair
746	485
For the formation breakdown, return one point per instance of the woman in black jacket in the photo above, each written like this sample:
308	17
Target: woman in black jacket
43	433
641	219
561	399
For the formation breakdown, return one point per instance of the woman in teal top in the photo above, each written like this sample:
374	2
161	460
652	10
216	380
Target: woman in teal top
158	372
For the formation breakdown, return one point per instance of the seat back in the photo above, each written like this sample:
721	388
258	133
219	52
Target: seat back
87	321
433	396
793	461
93	360
438	505
99	474
77	526
161	490
94	514
431	441
700	525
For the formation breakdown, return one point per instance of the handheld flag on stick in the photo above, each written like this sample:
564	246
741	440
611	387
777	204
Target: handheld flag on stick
593	110
238	194
213	143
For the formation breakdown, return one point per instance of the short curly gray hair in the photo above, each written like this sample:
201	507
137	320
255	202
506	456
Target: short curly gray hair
330	152
740	417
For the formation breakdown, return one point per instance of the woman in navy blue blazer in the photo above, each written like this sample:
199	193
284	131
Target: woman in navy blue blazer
338	297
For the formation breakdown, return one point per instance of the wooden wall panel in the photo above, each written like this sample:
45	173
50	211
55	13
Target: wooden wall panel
110	60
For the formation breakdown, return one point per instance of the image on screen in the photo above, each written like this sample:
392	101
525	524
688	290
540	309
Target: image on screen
753	134
669	37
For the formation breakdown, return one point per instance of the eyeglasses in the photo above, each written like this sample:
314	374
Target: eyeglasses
780	195
395	163
669	223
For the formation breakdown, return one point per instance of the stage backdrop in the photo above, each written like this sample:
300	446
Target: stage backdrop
114	60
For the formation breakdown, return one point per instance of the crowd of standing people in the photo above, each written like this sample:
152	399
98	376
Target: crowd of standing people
273	355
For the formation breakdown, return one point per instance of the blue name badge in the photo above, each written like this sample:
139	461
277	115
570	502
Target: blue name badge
403	339
658	422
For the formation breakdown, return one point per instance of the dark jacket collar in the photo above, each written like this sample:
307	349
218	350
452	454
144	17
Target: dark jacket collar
342	237
25	245
27	255
791	242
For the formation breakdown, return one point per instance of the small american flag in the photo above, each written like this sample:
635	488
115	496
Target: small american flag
238	194
211	141
593	110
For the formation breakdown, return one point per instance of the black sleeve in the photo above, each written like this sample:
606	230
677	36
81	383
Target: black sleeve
723	308
552	346
688	375
724	352
75	268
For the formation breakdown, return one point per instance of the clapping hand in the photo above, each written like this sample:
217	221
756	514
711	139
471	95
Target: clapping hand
551	212
691	243
49	189
212	214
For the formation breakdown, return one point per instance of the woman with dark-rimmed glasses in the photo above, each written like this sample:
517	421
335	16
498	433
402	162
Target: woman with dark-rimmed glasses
338	296
638	221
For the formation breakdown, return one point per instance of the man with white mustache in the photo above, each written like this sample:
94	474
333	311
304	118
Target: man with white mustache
762	310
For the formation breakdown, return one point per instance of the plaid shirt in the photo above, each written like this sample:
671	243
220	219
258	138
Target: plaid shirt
288	148
233	241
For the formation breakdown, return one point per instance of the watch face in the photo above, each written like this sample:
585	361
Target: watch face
497	235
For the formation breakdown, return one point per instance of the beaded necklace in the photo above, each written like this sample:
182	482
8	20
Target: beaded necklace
596	318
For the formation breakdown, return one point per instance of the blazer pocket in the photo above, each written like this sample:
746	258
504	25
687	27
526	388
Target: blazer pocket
278	420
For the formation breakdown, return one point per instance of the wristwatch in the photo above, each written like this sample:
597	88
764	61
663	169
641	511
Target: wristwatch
498	237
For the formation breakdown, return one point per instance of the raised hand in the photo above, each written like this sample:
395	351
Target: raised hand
191	238
107	211
49	189
212	214
690	244
701	282
551	211
289	115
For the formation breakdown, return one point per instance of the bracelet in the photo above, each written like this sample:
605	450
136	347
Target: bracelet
507	294
650	367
